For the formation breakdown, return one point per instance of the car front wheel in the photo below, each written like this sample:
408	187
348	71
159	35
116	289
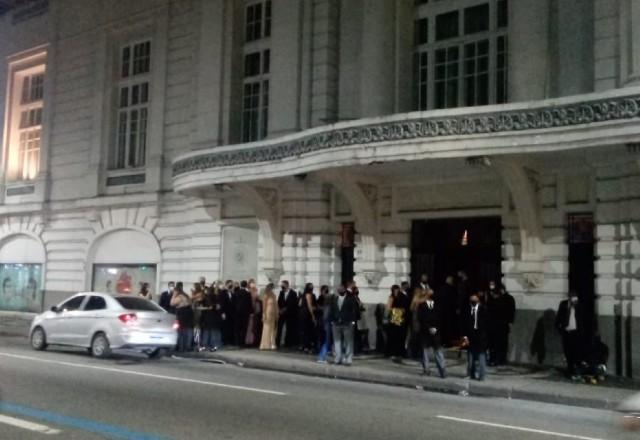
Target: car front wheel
38	339
100	346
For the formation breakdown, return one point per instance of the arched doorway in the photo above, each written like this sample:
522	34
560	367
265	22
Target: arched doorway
22	260
121	260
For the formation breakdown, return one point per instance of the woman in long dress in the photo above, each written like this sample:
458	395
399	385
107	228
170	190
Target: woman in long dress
269	319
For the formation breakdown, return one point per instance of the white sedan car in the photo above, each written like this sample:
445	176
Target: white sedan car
101	322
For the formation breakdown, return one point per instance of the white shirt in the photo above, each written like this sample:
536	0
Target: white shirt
430	304
572	325
341	301
474	312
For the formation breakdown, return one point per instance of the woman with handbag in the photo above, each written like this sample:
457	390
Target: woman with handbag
397	306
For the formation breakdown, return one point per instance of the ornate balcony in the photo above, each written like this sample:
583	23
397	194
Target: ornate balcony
549	125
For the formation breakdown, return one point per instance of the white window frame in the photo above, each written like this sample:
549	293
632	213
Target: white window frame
265	20
430	11
23	144
140	81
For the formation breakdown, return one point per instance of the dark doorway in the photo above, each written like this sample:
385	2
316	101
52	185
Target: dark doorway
442	247
582	265
347	245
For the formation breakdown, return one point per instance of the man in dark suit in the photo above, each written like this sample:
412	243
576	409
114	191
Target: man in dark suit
475	337
288	308
165	298
502	311
571	325
343	314
243	307
430	319
228	312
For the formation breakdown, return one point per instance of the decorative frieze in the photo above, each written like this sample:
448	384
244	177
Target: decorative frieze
541	118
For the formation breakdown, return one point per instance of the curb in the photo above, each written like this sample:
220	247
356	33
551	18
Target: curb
447	386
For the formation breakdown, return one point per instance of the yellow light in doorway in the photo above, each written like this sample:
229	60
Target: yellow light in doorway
465	238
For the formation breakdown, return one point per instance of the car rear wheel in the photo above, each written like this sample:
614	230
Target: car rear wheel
100	346
38	339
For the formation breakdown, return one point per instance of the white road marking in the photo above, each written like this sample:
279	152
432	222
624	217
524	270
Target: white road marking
517	428
24	424
137	373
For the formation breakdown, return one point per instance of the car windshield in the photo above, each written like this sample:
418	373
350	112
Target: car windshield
138	304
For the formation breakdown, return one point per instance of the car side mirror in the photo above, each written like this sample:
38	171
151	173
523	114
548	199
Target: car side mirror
54	309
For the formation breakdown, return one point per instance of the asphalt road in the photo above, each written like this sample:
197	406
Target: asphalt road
69	395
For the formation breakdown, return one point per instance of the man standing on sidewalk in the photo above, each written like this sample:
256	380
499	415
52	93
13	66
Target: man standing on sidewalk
570	324
475	337
288	316
344	313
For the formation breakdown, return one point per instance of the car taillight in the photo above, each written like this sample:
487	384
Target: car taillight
176	325
128	318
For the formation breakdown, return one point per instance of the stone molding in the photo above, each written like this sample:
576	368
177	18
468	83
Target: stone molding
418	126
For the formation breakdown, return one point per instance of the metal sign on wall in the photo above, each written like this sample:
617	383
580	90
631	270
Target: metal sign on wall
239	252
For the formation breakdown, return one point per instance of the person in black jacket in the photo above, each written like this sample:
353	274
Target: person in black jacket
227	312
430	319
398	310
475	337
243	307
165	298
570	323
344	313
211	321
502	311
288	316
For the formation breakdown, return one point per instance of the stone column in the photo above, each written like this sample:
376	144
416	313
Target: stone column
630	42
528	50
285	76
211	62
377	85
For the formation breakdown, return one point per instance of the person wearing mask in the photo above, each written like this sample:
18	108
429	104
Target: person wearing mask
343	315
254	326
243	307
570	324
325	338
269	318
397	306
307	318
288	316
475	337
184	315
210	321
165	298
430	319
502	309
197	303
423	283
225	299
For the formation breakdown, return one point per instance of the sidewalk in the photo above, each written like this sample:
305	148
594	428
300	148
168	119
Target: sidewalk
511	382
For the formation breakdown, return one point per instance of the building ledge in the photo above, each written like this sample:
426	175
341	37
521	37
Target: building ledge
557	124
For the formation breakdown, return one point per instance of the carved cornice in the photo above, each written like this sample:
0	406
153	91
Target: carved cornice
583	113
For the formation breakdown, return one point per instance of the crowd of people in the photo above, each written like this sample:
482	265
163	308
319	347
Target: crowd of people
416	321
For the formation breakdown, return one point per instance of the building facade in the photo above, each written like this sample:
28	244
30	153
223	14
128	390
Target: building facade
319	140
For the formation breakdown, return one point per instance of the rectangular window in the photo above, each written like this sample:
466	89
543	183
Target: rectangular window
503	13
32	88
467	54
421	31
29	153
251	112
447	25
502	80
253	23
446	77
476	19
267	19
476	73
252	64
422	75
129	150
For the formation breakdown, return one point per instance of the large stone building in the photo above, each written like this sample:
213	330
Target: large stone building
315	140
